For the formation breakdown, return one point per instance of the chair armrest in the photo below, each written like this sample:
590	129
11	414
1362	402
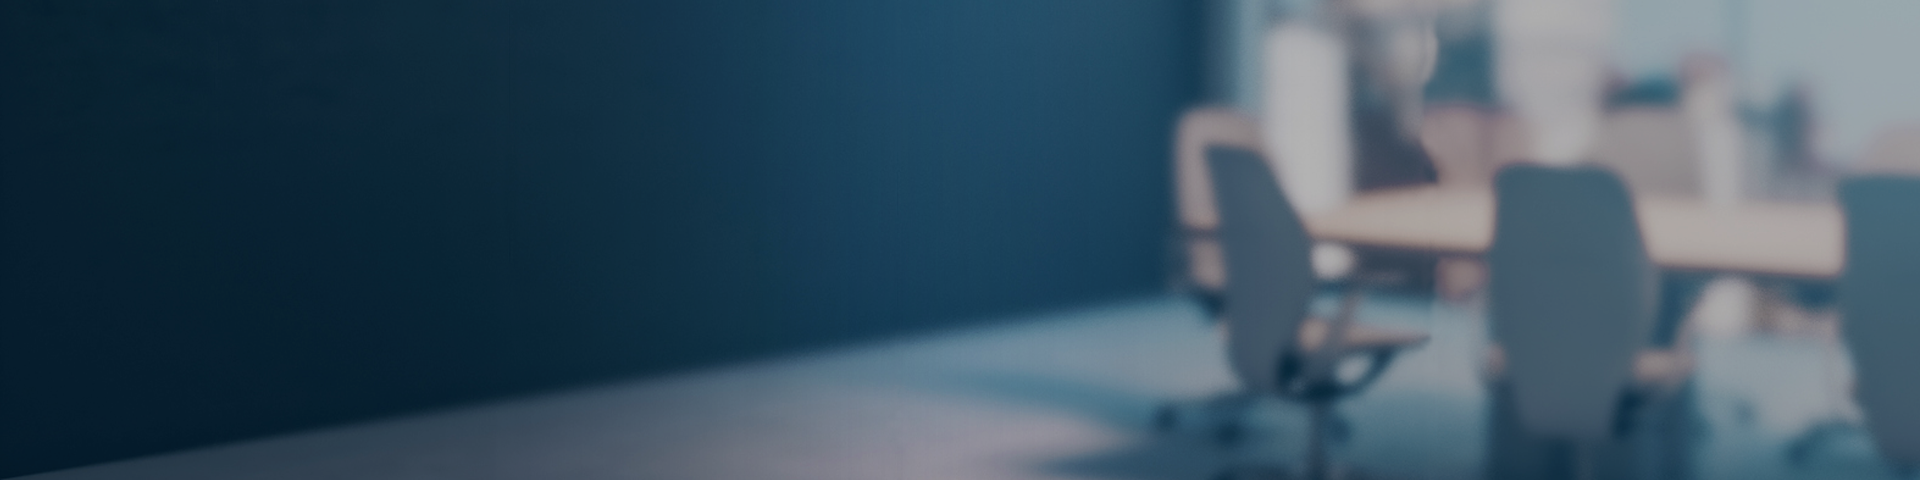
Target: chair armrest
1361	338
1311	371
1380	345
1342	335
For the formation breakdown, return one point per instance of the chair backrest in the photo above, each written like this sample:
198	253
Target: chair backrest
1880	303
1269	275
1199	129
1571	295
1653	148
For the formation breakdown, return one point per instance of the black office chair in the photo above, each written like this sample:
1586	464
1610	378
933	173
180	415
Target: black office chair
1880	319
1273	346
1195	261
1194	255
1573	299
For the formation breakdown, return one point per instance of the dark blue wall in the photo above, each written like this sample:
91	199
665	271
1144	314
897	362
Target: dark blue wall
224	219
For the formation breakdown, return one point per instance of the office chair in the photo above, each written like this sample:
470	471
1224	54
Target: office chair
1195	258
1200	271
1273	347
1881	320
1572	303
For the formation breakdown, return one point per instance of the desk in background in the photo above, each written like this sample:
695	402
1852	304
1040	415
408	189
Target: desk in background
1760	238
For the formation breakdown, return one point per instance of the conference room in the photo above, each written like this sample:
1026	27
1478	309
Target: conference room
1045	239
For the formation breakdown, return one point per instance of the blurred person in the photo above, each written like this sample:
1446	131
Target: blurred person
1551	70
1304	112
1395	51
1358	64
1306	121
1793	129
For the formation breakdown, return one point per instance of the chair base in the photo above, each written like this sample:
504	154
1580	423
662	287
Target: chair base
1324	430
1220	417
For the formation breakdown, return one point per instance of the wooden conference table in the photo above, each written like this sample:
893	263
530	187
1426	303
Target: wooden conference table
1803	240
